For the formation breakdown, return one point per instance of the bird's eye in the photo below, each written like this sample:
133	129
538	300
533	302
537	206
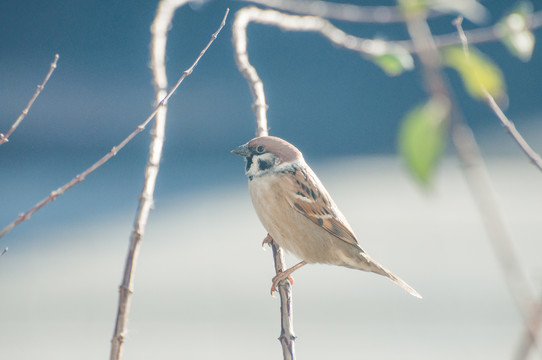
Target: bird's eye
260	149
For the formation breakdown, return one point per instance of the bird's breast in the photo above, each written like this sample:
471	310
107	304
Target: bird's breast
290	229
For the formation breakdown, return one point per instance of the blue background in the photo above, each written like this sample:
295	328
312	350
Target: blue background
329	102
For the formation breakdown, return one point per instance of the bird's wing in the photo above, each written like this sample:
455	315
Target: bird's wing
307	195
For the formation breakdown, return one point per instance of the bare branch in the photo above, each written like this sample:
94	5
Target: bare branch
287	336
388	14
54	194
476	36
482	192
524	347
239	33
381	47
4	138
533	317
509	125
475	172
159	29
242	19
367	47
336	11
283	21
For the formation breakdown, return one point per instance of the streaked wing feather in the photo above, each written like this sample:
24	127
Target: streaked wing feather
311	200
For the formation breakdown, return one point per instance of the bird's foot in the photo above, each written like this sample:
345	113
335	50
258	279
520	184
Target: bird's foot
286	274
278	278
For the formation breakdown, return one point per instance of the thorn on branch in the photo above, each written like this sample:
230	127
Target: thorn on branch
120	338
146	197
255	106
284	337
54	194
124	288
24	216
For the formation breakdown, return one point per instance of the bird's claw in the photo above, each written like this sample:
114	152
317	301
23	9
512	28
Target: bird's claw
278	278
267	241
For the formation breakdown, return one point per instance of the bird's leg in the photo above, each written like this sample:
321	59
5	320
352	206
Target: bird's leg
267	241
285	275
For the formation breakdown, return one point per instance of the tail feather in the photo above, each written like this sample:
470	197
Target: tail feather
401	283
373	266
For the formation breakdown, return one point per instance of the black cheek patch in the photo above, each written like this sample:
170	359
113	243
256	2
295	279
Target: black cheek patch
264	165
249	162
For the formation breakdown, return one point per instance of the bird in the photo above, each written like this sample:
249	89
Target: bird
299	214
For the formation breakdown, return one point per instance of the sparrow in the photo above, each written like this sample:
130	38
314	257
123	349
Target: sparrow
298	213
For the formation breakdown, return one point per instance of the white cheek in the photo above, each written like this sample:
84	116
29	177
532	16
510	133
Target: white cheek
254	169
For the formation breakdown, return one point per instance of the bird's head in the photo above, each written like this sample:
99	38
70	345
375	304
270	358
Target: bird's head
268	154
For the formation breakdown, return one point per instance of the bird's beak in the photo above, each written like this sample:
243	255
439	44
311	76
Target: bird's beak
242	150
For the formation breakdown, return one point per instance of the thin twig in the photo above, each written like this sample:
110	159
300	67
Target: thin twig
4	138
388	14
283	21
367	47
524	348
343	12
56	193
4	251
159	29
287	336
509	125
242	19
372	47
476	36
475	171
479	183
535	308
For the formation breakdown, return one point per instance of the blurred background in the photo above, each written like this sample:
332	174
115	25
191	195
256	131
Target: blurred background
202	280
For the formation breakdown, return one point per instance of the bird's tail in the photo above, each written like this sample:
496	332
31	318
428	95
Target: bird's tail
375	267
400	282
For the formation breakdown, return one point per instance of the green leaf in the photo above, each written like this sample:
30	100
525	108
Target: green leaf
394	64
515	32
477	72
413	7
422	138
392	58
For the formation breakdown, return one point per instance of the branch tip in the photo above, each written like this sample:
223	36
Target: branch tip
508	124
4	138
457	21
